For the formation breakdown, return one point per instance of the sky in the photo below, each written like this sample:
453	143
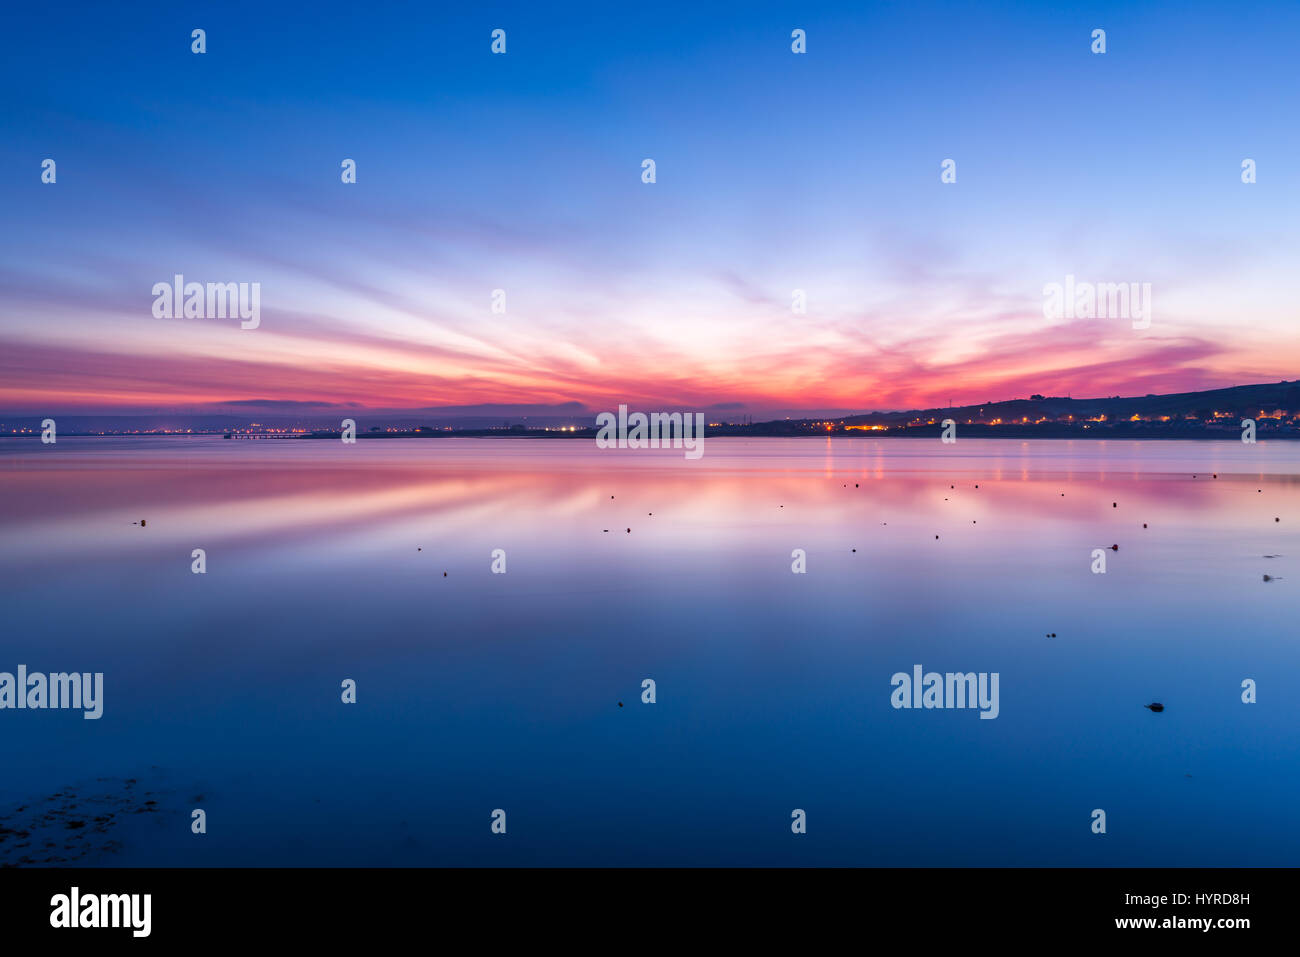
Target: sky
775	171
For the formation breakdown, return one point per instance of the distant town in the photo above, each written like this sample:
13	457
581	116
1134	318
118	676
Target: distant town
1274	410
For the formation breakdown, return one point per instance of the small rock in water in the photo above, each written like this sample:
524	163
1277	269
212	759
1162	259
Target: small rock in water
1155	706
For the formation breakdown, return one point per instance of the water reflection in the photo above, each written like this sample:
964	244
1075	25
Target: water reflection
479	691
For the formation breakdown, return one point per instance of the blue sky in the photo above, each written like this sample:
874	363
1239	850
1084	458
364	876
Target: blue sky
775	171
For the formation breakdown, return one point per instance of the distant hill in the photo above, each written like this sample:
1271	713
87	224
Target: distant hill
1239	401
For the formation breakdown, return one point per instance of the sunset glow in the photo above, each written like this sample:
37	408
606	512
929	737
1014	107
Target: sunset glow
523	174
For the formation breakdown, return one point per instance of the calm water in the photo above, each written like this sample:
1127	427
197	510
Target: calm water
479	691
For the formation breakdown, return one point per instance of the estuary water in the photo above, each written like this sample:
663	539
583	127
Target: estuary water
479	690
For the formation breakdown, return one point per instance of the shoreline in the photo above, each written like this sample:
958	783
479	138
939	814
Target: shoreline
970	432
